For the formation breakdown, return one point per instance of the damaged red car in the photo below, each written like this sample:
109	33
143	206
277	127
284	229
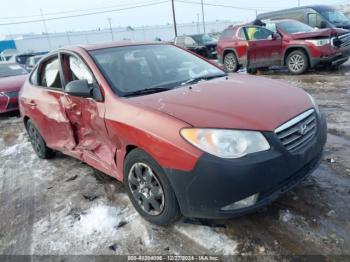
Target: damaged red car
12	77
182	135
286	42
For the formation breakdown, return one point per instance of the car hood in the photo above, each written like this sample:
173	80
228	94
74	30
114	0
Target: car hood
12	83
238	102
319	33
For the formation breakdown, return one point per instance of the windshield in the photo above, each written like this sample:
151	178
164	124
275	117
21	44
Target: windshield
293	27
335	16
11	70
131	69
202	39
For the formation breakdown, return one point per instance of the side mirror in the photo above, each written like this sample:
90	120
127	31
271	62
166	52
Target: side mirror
79	88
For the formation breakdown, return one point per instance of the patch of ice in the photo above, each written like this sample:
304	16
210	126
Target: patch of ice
207	238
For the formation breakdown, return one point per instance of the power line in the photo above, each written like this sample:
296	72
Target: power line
75	10
227	6
81	15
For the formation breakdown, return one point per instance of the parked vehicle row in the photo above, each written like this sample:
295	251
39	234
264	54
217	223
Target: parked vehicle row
182	135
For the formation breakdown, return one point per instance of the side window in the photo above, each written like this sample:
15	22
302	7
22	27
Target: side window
50	74
314	20
180	41
189	41
258	33
76	70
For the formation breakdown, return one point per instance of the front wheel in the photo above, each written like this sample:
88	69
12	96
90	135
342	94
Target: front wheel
231	63
149	189
297	62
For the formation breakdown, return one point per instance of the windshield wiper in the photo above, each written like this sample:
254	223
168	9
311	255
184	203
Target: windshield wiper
201	78
147	91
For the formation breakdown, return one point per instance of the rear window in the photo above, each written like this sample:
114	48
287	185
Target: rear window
11	70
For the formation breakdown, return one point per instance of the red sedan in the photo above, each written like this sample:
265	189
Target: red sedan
12	77
183	136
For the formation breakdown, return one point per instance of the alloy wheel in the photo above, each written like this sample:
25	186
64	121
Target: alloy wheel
296	63
146	189
230	63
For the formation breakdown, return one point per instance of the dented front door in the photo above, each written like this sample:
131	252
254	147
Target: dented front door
86	116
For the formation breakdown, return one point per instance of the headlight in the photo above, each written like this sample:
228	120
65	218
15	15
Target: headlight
320	42
314	104
226	143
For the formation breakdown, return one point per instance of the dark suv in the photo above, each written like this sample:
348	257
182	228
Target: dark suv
202	44
320	16
282	42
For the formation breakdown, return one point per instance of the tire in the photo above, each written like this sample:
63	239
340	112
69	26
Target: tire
297	62
149	189
231	63
38	142
252	71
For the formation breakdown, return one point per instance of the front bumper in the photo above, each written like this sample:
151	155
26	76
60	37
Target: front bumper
215	183
333	58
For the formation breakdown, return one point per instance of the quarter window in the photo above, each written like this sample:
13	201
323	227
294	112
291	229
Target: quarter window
50	74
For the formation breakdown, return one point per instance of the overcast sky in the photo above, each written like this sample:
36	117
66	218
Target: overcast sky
24	10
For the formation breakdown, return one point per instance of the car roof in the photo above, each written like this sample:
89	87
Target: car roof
118	44
317	8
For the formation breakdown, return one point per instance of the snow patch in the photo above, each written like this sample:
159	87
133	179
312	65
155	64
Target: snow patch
209	239
98	219
10	150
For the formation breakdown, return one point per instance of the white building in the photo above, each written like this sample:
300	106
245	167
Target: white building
46	42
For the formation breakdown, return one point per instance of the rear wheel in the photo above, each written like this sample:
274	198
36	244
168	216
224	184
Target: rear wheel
231	62
38	142
297	62
149	190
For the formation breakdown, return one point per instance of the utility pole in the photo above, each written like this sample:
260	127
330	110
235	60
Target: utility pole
203	16
110	27
298	2
175	28
45	28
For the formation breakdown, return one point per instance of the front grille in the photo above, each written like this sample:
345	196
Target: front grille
298	132
342	40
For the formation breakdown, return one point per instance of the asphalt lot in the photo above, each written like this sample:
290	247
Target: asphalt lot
64	207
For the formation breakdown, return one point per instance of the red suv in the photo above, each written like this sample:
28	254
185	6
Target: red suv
184	137
282	42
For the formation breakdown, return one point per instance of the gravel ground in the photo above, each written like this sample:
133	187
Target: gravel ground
64	207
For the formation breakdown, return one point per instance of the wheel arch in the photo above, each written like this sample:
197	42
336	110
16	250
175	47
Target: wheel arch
293	48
